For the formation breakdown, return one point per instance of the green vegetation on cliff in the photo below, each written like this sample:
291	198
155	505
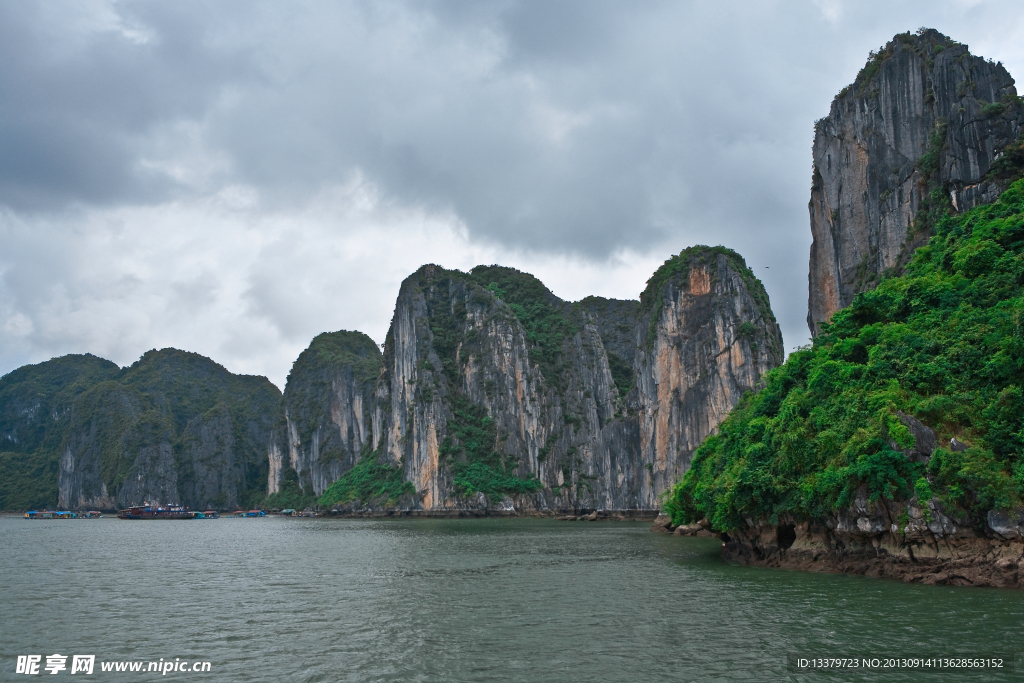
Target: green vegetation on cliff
33	399
371	482
28	480
349	356
943	343
289	494
622	374
469	451
546	325
1009	165
926	42
339	351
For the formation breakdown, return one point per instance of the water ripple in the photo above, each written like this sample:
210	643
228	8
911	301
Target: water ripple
456	600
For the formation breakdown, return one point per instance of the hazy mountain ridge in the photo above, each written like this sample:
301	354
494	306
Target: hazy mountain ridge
172	427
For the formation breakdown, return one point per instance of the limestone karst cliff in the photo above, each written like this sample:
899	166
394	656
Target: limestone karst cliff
34	399
174	427
916	133
491	393
495	393
328	407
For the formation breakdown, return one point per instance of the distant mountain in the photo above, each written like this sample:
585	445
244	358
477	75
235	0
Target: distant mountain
491	393
174	427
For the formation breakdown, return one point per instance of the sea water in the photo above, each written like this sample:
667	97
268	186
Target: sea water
281	599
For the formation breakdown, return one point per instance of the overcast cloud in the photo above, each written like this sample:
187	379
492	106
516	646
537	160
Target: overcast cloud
234	178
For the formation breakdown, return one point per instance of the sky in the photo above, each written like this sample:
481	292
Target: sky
234	178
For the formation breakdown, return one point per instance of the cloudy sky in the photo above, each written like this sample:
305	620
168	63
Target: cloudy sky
234	178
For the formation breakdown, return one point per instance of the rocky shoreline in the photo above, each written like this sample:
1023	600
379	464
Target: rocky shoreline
904	541
663	525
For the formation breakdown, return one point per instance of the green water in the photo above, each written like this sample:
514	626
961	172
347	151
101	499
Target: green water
459	600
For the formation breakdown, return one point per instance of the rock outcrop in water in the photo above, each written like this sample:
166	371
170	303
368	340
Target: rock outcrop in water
174	427
915	540
328	407
912	541
917	131
496	394
892	446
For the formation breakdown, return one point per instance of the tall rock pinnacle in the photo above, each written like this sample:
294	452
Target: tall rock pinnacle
915	134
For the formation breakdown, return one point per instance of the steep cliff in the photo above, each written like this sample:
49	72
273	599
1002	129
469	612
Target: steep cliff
915	135
496	394
173	427
328	406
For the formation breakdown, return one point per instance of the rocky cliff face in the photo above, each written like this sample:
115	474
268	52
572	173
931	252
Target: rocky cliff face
916	133
175	427
497	394
713	337
328	407
492	393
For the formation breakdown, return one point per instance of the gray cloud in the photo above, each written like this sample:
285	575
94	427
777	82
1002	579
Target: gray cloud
199	153
84	91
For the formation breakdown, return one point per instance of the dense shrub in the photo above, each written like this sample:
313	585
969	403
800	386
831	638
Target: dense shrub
469	450
370	482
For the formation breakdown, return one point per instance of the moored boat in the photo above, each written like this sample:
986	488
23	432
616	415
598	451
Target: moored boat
155	512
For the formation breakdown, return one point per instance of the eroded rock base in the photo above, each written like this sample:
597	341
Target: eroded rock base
984	563
912	541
